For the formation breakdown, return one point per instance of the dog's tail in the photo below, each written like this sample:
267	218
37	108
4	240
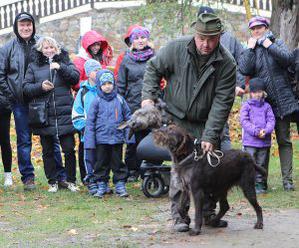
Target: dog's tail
260	169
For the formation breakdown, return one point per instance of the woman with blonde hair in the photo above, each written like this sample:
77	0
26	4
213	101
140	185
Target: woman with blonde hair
47	85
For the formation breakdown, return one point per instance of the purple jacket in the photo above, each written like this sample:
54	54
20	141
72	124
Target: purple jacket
256	115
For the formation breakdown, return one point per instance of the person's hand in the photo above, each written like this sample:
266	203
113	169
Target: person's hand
207	146
267	43
251	42
147	102
47	85
54	66
262	134
239	91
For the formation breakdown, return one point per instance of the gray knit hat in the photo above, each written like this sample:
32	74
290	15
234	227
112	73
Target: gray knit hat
91	65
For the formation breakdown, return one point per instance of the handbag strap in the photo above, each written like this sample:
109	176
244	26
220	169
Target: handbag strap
52	79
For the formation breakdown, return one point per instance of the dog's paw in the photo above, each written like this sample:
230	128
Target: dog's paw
259	225
194	232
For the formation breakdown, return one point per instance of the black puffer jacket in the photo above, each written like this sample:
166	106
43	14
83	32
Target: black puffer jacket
14	59
271	65
5	97
296	59
60	99
130	81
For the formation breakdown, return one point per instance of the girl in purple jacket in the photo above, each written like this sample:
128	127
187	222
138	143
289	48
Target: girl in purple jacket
258	121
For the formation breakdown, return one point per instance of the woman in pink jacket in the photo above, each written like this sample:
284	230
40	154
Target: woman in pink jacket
94	46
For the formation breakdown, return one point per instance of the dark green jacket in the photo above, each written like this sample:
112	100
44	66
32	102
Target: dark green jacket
199	100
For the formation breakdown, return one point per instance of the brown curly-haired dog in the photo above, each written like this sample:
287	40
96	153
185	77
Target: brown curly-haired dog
236	168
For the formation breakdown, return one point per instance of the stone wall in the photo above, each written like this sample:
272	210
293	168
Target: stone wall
113	24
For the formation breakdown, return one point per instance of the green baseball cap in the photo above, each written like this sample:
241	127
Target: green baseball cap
208	24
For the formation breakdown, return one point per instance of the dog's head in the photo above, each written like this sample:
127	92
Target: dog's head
147	117
175	139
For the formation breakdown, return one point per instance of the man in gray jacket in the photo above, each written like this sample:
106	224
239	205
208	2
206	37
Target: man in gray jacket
201	78
14	60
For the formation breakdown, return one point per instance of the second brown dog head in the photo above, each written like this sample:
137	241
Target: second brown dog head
175	139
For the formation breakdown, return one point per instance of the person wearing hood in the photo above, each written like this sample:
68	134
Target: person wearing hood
14	60
107	111
129	85
94	46
268	58
48	81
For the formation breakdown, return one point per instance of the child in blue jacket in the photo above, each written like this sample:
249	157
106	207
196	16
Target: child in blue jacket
86	94
107	111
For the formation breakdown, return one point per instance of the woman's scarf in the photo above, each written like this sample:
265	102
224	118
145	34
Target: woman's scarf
141	55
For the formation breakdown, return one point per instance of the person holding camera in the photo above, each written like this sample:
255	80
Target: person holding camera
47	85
268	58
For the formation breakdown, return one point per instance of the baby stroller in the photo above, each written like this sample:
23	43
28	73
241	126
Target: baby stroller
155	175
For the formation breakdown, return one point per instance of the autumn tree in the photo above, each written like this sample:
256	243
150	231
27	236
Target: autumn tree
285	21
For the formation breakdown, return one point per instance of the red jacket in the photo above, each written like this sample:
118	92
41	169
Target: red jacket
88	39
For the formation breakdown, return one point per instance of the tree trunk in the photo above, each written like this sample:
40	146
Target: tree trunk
285	21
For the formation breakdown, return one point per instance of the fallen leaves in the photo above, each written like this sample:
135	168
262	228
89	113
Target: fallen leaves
134	229
72	232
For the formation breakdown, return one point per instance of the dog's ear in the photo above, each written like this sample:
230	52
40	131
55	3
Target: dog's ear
181	149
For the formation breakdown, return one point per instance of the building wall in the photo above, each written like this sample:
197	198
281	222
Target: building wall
113	24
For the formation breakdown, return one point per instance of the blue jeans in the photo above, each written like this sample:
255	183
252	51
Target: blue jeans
24	144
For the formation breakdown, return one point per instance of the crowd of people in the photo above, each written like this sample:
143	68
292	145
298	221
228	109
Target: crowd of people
198	77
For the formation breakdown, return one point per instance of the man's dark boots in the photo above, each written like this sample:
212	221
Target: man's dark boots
181	225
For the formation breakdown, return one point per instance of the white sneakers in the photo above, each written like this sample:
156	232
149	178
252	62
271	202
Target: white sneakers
53	188
7	179
72	187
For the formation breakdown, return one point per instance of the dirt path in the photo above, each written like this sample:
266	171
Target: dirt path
281	229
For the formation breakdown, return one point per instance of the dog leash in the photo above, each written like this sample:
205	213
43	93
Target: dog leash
217	154
211	154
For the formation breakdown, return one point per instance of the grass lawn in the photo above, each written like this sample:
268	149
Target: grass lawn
66	219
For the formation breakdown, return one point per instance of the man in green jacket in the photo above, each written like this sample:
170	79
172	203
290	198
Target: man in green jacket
201	80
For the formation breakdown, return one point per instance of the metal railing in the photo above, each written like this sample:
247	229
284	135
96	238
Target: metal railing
259	4
40	8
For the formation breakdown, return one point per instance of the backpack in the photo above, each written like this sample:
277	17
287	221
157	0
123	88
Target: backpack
83	92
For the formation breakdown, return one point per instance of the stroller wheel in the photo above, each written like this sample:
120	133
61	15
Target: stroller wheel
165	190
153	186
